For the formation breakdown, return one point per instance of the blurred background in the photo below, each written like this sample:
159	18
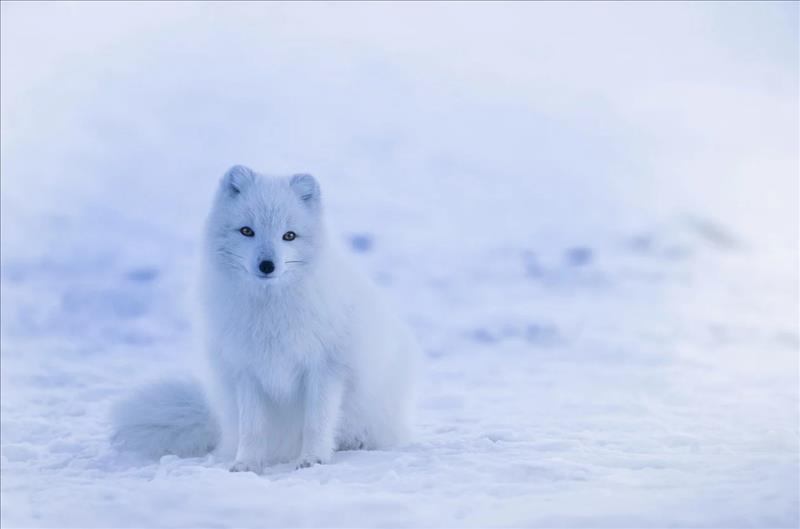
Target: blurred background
587	211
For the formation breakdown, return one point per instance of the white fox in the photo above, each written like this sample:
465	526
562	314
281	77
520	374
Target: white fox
304	358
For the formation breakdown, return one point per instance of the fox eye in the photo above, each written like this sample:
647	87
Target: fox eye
289	236
246	231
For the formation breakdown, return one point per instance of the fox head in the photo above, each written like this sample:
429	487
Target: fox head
267	228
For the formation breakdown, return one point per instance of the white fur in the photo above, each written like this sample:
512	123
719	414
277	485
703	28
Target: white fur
170	417
306	360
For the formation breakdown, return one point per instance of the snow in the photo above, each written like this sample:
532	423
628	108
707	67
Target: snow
587	212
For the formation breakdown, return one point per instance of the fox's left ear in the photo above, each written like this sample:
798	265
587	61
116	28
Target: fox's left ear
306	187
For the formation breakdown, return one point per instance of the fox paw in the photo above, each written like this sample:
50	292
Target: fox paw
306	462
245	466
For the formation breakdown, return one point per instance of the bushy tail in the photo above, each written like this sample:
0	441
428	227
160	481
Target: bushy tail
169	417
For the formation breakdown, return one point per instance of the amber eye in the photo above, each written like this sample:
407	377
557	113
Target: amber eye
246	231
289	236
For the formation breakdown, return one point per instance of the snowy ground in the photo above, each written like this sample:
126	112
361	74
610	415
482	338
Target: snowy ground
587	212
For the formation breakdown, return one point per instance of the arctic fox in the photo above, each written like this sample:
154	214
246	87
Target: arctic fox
304	359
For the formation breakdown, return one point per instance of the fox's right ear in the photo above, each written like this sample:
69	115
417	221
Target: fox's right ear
236	180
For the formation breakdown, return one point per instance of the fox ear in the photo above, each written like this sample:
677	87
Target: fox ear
306	187
236	179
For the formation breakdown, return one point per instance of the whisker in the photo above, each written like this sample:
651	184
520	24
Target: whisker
224	251
231	259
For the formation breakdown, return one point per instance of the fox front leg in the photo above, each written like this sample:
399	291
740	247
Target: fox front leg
251	405
323	402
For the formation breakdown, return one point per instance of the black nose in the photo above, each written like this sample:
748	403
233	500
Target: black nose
266	267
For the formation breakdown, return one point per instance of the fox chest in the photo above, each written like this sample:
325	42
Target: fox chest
277	354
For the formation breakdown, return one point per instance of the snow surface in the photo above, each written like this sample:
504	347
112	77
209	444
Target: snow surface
588	213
